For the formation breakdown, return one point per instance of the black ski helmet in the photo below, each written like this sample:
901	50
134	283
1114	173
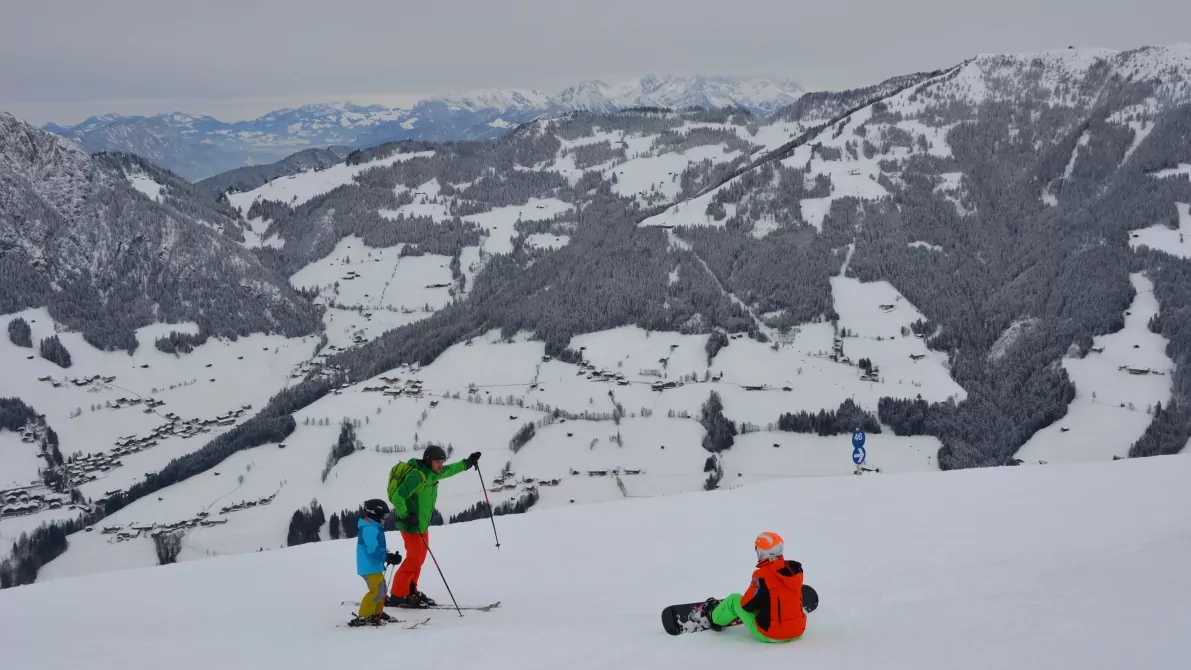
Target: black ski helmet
433	453
376	509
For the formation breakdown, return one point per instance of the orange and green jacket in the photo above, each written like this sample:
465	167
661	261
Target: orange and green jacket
775	597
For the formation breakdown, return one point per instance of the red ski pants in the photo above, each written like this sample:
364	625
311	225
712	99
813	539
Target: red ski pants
406	578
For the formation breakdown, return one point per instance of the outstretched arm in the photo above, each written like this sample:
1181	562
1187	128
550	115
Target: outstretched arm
455	468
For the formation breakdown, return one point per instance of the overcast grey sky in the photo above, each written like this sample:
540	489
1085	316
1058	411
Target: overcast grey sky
65	60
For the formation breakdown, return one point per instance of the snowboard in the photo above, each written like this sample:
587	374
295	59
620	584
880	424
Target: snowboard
690	617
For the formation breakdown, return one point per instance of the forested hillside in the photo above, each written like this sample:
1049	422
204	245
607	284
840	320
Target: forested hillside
112	243
998	196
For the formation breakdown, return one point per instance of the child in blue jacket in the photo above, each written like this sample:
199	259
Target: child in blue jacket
372	555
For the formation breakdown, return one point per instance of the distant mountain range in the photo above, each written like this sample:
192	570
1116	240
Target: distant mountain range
196	147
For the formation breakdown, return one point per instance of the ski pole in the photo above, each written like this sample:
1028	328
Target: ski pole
390	575
486	501
444	579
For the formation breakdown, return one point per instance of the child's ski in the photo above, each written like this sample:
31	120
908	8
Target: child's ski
394	622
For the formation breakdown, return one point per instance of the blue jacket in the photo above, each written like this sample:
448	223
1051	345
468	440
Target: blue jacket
371	549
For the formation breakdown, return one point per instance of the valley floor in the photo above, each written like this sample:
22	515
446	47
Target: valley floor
992	568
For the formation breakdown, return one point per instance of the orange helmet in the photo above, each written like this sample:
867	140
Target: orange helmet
769	546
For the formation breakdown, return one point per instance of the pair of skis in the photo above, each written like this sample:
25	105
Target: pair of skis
479	608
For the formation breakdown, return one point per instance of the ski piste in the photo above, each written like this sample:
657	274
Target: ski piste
480	608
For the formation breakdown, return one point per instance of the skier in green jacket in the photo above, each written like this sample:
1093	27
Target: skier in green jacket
413	490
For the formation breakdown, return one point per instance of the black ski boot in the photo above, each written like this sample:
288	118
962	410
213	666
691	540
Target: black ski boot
415	600
358	620
709	606
410	602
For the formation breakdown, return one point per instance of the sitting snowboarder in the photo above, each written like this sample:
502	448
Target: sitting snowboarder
772	605
372	555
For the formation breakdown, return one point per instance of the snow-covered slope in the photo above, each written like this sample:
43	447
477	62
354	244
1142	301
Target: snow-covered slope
451	198
1162	238
120	417
1016	580
297	188
250	177
877	141
1118	386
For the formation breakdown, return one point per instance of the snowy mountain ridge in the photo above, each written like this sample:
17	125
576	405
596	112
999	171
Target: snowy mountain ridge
200	146
762	96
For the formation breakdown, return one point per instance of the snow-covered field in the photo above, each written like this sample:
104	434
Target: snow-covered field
646	172
254	235
346	327
145	184
428	202
19	461
11	528
1017	580
546	241
356	275
296	189
1161	238
765	456
500	222
1116	389
89	417
659	174
372	290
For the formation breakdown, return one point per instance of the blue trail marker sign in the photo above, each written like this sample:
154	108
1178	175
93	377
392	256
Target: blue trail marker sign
858	452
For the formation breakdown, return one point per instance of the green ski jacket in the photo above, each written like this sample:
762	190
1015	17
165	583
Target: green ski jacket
413	487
